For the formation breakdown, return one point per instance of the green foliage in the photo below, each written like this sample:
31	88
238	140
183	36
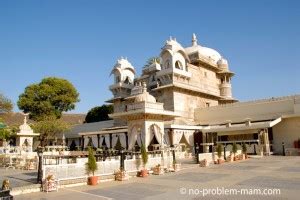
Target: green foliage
91	165
234	148
152	60
5	133
219	150
6	104
49	127
144	154
118	145
244	148
99	113
50	97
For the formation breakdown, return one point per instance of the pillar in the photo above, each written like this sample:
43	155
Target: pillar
98	140
82	143
126	136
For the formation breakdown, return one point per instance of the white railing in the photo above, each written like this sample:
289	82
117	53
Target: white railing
108	167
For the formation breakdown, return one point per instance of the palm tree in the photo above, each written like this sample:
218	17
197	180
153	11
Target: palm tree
152	60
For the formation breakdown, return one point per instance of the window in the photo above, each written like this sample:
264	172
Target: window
205	74
153	78
127	80
167	64
118	79
178	65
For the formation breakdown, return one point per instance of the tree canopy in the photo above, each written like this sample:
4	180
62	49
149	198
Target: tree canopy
6	104
50	97
99	113
49	128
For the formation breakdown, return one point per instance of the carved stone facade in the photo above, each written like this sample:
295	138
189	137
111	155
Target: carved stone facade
183	79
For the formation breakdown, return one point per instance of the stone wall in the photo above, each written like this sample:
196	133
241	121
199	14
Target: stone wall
287	131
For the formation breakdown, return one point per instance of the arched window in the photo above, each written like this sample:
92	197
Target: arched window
118	79
167	64
127	80
153	78
178	65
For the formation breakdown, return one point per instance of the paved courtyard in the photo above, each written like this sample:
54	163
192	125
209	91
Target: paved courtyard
264	173
18	177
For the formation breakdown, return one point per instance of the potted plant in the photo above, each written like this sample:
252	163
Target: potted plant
158	170
231	156
91	167
219	152
176	165
50	184
121	175
244	149
234	150
144	172
204	163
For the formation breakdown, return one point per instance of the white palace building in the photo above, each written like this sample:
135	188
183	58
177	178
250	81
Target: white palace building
185	100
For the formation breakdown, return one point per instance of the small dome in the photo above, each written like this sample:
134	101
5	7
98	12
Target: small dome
223	63
145	96
204	51
25	128
123	64
173	45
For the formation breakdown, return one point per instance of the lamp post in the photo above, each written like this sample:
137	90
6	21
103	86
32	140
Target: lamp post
197	151
225	152
40	166
122	166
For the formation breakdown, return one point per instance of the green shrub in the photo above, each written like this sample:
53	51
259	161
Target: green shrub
144	155
244	148
91	165
219	150
234	148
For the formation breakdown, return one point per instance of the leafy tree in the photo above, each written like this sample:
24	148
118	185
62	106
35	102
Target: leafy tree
4	133
49	128
7	132
91	165
152	60
118	145
99	113
50	97
6	104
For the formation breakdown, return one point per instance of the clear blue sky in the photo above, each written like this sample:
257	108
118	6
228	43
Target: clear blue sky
80	40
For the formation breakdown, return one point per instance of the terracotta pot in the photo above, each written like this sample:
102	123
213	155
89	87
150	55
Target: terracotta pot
144	173
93	180
220	161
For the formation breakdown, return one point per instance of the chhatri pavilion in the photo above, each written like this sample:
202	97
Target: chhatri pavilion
184	99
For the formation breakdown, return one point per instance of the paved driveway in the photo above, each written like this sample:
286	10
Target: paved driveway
264	174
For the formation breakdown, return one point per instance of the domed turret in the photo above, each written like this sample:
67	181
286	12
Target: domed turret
145	96
205	52
25	128
123	73
223	64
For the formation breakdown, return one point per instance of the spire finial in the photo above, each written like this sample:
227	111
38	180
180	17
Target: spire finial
25	117
194	40
144	87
